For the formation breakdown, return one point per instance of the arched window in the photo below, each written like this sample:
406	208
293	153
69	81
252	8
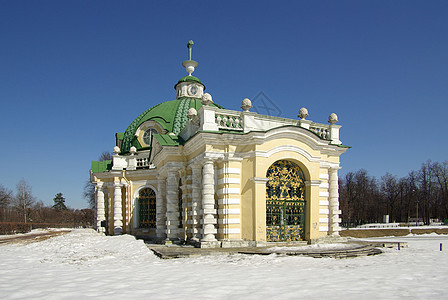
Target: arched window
147	136
147	208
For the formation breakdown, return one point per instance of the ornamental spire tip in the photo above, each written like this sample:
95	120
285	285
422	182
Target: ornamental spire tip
190	64
190	46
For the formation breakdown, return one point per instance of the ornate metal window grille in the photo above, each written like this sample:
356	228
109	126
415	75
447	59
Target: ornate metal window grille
147	208
285	202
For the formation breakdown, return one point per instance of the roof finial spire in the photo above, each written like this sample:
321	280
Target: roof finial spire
189	64
190	46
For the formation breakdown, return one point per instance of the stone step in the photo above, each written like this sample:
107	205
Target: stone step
176	251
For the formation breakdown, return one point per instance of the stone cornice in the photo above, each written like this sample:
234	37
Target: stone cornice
259	180
141	172
329	165
304	153
313	183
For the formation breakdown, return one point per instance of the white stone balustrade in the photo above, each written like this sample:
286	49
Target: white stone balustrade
131	162
226	120
322	130
207	118
142	162
214	119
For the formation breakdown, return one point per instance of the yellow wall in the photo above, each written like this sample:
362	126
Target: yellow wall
254	161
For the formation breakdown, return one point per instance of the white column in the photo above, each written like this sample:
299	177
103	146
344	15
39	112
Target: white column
183	222
100	213
196	201
118	214
334	202
208	202
126	207
172	204
161	208
223	203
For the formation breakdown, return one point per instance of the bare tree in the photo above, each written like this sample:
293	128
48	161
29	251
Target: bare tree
89	194
427	191
391	191
23	200
359	198
105	156
440	172
347	197
6	197
89	188
365	201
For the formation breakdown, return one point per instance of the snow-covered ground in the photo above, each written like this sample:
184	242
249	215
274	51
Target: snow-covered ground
83	264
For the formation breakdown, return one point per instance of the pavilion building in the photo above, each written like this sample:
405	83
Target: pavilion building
191	170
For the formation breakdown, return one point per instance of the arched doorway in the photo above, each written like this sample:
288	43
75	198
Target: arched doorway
147	208
285	202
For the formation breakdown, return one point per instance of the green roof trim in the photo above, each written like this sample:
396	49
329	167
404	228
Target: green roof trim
168	140
341	146
120	135
101	166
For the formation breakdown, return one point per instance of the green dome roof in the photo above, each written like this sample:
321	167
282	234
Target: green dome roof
189	78
171	115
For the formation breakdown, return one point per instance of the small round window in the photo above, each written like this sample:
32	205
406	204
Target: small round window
193	90
147	136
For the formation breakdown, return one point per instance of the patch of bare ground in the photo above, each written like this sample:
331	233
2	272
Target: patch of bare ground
31	238
368	233
429	230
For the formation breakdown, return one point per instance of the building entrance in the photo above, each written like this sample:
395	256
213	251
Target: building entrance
285	202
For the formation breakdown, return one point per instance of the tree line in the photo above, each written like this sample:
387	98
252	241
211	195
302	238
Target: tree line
421	195
22	207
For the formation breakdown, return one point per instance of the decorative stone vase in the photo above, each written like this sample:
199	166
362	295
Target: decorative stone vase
206	99
192	113
333	119
303	113
117	150
246	104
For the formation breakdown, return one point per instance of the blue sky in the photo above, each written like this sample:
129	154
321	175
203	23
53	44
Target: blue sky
73	73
